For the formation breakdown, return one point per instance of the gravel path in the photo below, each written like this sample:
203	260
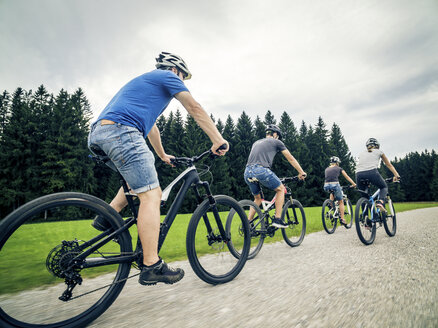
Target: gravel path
328	281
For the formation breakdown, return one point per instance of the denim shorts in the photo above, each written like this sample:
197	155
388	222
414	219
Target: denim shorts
336	189
265	176
129	153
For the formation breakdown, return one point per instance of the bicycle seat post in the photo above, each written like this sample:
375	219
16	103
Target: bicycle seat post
129	197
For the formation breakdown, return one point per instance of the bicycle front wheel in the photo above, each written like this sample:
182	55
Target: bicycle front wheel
366	230
348	213
257	228
210	244
41	283
293	215
329	222
389	218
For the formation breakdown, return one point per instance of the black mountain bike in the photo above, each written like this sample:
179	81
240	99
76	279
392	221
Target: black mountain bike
368	216
57	271
261	225
331	214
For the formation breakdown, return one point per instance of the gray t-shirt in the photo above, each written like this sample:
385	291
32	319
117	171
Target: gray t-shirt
263	151
332	173
369	160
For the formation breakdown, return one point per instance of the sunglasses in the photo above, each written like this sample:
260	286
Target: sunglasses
184	74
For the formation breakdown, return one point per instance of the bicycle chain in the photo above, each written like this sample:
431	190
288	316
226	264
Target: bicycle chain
114	283
95	290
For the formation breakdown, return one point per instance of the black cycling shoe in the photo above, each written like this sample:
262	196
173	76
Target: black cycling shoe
160	272
99	223
368	224
276	222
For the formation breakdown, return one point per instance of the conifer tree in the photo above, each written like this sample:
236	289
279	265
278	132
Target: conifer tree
434	182
339	148
4	110
220	126
244	141
259	129
16	155
269	118
290	139
221	178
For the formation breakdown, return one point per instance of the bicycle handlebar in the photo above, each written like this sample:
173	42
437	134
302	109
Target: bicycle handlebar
347	187
391	180
285	179
189	161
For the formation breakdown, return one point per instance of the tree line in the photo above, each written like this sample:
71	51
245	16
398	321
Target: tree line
43	149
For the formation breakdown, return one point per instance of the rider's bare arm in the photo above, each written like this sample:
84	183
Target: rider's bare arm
301	174
155	140
346	176
390	167
201	117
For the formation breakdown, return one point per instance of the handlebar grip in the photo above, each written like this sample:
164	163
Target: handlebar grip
224	146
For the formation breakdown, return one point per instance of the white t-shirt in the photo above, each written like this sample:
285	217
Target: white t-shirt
369	160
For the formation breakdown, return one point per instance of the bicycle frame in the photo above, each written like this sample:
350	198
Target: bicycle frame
374	210
336	213
189	178
269	205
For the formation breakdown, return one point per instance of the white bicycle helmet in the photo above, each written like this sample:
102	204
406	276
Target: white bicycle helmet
372	142
167	60
335	159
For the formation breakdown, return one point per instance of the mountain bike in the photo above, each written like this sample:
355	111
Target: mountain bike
369	217
261	225
331	214
58	271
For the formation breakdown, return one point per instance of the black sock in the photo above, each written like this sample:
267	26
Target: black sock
152	265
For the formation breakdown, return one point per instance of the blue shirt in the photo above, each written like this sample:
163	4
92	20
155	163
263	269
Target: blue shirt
143	99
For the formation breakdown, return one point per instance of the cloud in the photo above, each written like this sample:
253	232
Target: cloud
369	66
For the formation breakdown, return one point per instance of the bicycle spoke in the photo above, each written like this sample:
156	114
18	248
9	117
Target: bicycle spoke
210	250
293	215
46	287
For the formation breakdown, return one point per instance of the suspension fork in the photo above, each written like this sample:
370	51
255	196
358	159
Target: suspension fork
293	210
216	215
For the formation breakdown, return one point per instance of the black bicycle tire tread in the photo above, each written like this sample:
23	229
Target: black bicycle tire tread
329	231
357	223
385	224
12	222
259	246
191	253
303	229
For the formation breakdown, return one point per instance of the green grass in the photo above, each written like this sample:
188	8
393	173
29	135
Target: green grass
28	270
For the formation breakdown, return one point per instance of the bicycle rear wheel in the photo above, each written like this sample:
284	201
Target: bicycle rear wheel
348	213
329	222
38	242
389	218
257	229
366	230
293	215
209	243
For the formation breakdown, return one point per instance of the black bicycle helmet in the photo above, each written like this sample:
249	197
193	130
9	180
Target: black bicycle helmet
274	128
372	142
167	60
335	159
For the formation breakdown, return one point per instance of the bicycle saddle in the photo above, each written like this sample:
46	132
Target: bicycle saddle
99	154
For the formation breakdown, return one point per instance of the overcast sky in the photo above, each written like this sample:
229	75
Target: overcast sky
371	66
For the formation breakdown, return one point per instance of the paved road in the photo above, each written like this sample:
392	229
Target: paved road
329	281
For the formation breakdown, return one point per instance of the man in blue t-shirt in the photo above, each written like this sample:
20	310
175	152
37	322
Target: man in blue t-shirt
258	170
120	132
